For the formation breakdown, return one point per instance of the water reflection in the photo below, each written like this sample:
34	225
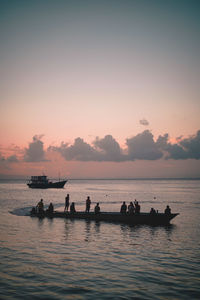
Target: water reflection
40	222
87	230
145	235
50	222
66	231
97	227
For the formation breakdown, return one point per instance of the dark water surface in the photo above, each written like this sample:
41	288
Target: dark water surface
77	259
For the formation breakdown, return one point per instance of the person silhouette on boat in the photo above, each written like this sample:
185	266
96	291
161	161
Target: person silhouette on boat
66	203
33	211
72	208
40	206
167	210
152	212
50	208
97	209
88	203
131	209
123	208
137	208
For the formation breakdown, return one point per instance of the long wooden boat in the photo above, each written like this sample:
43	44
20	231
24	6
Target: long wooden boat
141	218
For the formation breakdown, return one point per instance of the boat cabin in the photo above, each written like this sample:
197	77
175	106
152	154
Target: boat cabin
42	178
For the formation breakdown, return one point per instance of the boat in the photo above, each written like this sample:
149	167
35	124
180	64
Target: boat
116	217
42	182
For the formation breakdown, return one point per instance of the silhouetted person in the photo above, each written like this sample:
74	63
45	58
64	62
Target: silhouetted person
72	208
88	203
123	208
40	206
33	211
152	211
167	210
50	208
66	203
131	208
137	207
97	209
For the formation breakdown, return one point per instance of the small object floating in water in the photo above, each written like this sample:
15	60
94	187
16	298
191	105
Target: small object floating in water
141	218
42	182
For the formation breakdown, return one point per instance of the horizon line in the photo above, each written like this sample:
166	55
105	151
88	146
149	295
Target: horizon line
109	178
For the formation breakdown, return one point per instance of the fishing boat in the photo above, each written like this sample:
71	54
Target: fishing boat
141	218
42	182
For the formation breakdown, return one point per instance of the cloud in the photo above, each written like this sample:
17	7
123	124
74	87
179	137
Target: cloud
6	162
12	159
188	148
9	159
142	146
106	149
35	151
109	149
144	122
192	146
2	158
80	150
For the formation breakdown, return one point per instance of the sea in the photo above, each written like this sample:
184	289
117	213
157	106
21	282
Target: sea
79	259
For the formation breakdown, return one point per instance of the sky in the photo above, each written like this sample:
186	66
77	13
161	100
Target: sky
100	89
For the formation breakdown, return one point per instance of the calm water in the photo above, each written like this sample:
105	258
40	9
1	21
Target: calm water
76	259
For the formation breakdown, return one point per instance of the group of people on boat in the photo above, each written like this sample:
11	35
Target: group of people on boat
132	208
167	211
68	206
40	208
71	207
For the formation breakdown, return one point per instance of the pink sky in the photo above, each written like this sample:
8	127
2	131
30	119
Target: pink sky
84	71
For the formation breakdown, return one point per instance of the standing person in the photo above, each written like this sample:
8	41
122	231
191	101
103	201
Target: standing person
88	203
137	208
66	202
167	210
40	206
131	208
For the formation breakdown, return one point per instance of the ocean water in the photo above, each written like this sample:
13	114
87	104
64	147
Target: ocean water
78	259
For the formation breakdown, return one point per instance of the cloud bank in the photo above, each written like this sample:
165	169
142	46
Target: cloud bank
140	147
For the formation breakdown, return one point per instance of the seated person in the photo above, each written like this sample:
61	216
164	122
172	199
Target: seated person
72	208
152	211
50	208
33	211
123	208
97	209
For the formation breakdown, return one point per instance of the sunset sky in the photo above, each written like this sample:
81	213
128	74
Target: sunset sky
100	89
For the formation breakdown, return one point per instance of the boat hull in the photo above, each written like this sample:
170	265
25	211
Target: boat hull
142	218
48	185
